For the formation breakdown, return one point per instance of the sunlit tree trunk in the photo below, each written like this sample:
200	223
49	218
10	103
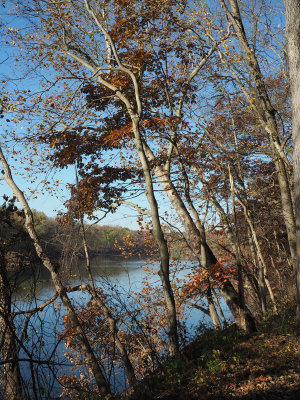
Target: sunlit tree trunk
215	296
162	245
87	350
231	235
194	238
134	109
292	16
267	115
211	306
203	259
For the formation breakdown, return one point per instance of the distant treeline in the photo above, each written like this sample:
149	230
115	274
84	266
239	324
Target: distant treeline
65	240
101	240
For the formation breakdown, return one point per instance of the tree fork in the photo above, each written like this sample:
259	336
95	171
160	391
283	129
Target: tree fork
228	291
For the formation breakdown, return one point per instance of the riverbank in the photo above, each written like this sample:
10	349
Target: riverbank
227	364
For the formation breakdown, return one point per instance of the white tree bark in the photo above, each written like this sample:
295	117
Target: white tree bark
292	16
87	350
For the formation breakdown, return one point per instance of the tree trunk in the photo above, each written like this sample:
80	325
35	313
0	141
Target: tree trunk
262	273
161	242
194	239
91	360
9	351
292	16
211	306
215	296
266	114
262	290
106	312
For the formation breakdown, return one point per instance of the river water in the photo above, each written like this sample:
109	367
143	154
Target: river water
117	277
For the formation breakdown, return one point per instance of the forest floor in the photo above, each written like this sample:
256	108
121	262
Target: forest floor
229	365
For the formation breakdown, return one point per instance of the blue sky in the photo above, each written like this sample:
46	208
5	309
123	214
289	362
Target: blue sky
52	201
41	199
17	77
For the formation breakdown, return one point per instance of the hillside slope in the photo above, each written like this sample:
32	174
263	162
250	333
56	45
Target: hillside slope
228	365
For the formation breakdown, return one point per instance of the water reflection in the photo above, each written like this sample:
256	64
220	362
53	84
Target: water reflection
36	283
118	278
33	288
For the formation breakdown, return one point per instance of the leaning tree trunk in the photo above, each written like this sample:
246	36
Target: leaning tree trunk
194	238
292	16
267	113
161	242
203	259
91	359
112	321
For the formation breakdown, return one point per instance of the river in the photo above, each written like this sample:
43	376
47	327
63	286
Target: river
119	278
